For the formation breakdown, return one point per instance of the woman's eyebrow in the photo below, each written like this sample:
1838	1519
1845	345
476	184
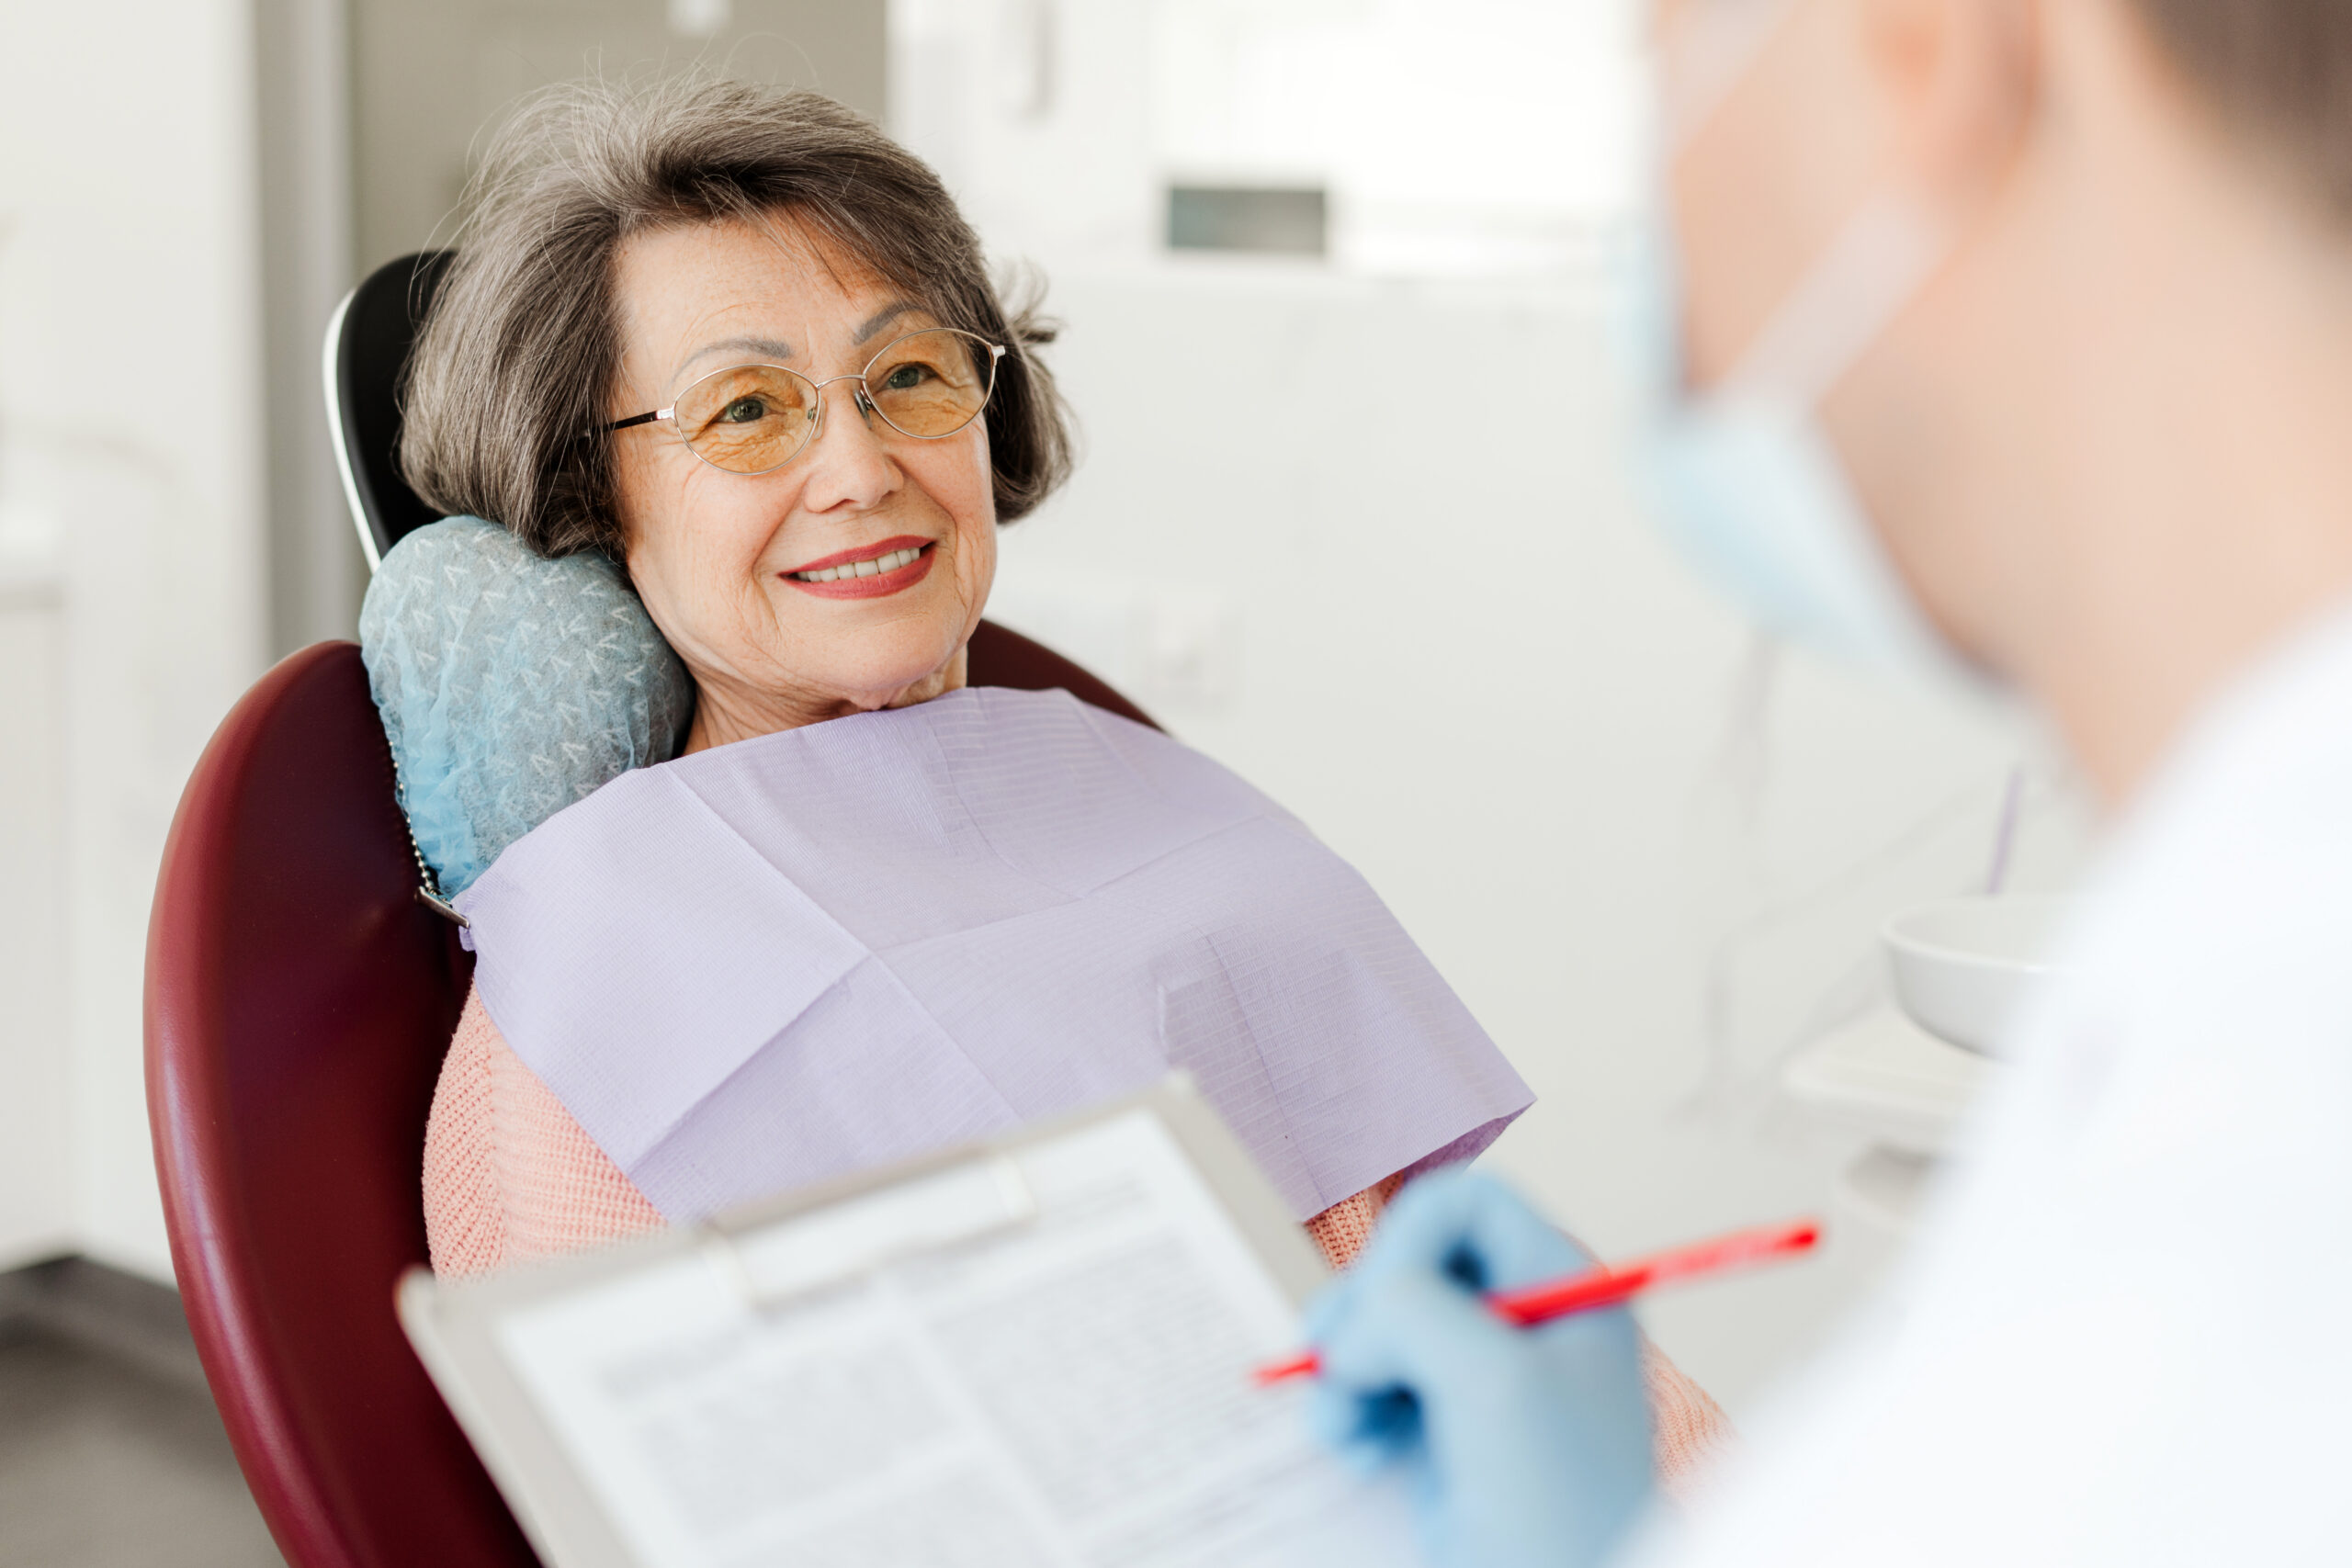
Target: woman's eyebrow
777	350
768	348
872	326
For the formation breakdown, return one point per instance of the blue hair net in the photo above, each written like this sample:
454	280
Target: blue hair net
510	686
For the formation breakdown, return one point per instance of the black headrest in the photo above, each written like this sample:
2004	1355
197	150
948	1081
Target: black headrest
368	344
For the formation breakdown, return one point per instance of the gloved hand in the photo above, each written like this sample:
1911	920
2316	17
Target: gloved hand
1522	1446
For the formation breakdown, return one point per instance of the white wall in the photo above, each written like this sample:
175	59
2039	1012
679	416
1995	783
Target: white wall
1366	534
36	1195
131	474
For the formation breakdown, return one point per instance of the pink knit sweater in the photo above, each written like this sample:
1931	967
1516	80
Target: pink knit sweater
510	1176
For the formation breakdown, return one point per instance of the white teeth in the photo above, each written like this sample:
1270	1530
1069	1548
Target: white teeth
875	568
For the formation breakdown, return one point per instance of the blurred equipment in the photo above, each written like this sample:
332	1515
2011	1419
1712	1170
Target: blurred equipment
1908	1073
1885	1076
1277	223
1964	968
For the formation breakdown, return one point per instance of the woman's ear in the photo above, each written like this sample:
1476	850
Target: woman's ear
1961	81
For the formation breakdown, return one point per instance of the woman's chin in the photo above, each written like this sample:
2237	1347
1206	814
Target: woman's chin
895	682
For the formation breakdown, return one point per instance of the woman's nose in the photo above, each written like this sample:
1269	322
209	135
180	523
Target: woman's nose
848	463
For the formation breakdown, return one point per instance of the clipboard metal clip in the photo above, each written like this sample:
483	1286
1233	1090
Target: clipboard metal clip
773	1262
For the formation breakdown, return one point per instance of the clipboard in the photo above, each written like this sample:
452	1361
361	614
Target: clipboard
1034	1350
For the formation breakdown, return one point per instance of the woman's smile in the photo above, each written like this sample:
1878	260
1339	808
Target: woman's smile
870	571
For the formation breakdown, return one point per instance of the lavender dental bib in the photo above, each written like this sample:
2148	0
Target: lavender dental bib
794	957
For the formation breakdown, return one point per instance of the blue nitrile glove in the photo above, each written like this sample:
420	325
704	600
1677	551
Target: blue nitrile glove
1522	1446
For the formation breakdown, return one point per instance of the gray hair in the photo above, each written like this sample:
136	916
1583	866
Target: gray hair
506	392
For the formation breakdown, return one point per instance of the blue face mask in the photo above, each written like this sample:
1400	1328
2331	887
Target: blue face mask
1743	475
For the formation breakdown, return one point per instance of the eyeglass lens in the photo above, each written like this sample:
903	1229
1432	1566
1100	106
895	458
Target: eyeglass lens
749	419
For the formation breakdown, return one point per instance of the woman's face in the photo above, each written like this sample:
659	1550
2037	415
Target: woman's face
723	561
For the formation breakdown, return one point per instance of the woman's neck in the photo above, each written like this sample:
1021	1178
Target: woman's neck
727	710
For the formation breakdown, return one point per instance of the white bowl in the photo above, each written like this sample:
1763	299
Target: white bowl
1964	968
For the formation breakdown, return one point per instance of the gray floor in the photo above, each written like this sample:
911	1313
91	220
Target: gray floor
113	1459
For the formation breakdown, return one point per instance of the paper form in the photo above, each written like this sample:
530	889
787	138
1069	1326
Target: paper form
1067	1385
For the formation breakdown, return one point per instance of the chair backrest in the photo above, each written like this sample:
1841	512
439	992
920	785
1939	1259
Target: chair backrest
366	347
298	1001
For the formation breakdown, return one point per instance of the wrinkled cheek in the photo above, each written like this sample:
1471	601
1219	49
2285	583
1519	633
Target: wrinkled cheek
977	575
766	625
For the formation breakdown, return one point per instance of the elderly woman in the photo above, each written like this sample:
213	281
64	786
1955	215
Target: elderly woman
737	342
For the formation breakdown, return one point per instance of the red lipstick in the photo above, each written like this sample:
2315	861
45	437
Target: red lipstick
880	585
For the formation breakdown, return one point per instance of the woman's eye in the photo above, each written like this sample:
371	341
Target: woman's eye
743	411
906	377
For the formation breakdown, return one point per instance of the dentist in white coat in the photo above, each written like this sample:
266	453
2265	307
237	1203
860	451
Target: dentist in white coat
2012	334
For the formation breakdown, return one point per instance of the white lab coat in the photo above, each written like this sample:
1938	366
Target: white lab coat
2125	1334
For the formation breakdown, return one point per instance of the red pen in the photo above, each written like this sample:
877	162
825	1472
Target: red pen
1530	1305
